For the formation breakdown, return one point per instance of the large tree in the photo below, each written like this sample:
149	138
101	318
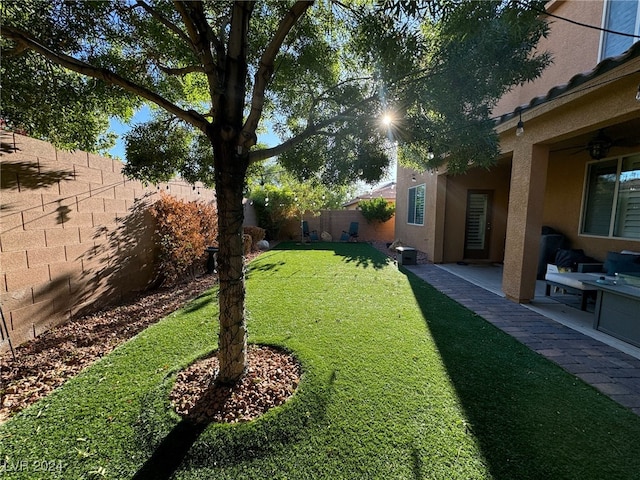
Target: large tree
321	73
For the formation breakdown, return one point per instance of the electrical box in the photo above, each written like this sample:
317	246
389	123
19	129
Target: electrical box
406	255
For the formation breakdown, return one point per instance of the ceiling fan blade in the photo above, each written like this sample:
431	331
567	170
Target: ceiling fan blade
626	142
578	149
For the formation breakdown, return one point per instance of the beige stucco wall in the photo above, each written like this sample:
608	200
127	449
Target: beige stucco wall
563	200
574	50
75	233
495	180
442	236
418	236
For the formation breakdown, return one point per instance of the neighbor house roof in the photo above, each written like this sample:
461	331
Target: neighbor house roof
386	191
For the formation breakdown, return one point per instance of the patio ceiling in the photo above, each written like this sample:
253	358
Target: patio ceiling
625	137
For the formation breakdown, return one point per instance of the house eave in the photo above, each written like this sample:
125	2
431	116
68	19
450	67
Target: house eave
581	79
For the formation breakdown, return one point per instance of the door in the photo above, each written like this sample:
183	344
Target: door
478	224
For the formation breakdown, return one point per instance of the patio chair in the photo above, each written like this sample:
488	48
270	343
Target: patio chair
352	234
312	235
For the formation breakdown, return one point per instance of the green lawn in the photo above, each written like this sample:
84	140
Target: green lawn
400	382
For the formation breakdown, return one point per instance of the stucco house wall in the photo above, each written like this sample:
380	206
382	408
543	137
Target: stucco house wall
417	236
539	179
445	211
563	204
496	181
574	49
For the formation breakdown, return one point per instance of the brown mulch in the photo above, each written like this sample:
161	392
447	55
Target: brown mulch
272	377
46	362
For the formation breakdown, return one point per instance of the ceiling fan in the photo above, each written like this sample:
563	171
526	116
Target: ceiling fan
599	145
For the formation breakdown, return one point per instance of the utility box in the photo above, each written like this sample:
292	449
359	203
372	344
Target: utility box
406	255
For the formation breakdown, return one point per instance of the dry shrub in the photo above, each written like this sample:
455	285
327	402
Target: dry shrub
184	230
247	244
256	234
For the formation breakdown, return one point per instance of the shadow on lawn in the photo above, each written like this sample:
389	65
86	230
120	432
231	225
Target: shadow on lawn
477	374
204	300
359	253
530	418
171	452
189	445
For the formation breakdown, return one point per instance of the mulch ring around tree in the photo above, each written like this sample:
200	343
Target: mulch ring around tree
48	361
271	377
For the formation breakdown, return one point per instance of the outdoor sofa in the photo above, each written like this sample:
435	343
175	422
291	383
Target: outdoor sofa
571	279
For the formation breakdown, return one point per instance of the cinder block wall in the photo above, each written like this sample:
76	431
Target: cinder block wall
335	221
75	234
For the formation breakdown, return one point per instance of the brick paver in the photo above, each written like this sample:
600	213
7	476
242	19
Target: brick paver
614	373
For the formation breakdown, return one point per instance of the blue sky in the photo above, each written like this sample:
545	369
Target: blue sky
120	128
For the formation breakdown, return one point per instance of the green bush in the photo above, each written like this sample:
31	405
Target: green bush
377	210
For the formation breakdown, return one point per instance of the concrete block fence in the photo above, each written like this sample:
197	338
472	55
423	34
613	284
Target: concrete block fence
74	234
335	221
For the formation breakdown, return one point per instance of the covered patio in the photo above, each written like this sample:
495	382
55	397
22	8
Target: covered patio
563	309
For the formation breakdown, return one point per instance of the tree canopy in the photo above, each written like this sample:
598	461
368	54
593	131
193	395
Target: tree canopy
322	73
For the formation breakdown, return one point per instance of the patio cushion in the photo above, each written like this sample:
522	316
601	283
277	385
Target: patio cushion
549	245
573	280
621	263
570	258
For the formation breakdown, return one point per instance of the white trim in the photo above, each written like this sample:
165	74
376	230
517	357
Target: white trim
614	207
605	13
603	24
424	206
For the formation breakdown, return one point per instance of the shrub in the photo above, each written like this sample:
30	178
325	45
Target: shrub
377	210
184	230
256	234
247	244
274	206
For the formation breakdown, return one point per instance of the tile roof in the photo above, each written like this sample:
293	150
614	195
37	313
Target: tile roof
604	66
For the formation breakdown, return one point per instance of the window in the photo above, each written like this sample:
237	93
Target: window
416	205
620	16
612	198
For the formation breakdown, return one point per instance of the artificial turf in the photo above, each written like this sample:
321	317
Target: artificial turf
400	382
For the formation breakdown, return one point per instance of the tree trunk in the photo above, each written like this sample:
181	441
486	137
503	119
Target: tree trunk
232	339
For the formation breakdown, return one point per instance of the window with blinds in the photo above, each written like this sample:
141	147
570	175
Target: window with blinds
415	211
620	16
612	198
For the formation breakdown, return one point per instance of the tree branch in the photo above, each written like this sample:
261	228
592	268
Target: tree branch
265	71
203	38
312	129
165	21
259	155
181	71
190	116
236	65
